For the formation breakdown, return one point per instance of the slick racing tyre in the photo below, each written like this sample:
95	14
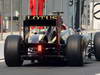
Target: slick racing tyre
12	50
97	46
74	52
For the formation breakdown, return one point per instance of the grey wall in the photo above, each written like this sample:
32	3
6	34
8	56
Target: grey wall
25	7
7	6
51	5
60	5
0	6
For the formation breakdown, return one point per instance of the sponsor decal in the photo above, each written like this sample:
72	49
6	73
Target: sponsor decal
42	17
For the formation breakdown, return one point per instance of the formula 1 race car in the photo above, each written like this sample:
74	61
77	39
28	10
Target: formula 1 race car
47	43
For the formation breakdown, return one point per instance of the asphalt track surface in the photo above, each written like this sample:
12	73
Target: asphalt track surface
91	67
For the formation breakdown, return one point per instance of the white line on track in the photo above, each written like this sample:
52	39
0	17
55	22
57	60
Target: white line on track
1	60
98	74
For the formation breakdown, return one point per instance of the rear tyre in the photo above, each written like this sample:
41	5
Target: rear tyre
12	51
73	50
97	46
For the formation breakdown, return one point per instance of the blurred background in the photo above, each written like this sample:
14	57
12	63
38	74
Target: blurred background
12	13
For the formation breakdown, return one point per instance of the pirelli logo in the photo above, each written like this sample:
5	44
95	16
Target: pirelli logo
41	17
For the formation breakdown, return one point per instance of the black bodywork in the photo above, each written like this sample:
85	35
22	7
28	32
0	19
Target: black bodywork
54	49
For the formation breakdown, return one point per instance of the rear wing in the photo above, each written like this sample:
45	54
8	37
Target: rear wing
40	20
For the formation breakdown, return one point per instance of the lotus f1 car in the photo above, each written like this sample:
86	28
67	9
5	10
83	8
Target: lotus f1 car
52	42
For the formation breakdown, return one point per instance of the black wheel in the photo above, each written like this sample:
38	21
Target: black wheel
97	46
12	51
73	50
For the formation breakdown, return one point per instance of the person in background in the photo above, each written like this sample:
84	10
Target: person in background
37	8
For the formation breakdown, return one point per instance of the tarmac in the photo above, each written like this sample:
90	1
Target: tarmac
92	67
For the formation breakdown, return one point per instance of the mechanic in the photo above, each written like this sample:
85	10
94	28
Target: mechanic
37	8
